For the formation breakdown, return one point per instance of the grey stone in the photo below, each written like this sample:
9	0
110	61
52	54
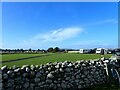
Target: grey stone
77	76
77	80
56	71
26	85
3	68
30	88
32	67
73	77
32	85
67	69
63	81
63	85
18	87
55	86
38	88
17	70
24	66
5	76
25	74
81	82
49	69
68	86
37	80
55	81
58	85
51	85
50	75
27	69
11	88
32	74
9	72
41	83
52	72
67	78
70	65
57	66
79	86
61	70
38	75
49	81
9	84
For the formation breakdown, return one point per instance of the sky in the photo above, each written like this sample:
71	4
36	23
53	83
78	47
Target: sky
72	25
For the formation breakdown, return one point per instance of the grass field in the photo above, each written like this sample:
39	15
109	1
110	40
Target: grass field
45	58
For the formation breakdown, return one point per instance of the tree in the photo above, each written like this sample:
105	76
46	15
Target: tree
30	49
22	50
15	50
50	49
18	50
38	50
94	50
56	49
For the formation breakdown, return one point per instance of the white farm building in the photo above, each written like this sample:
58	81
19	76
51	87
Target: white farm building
84	50
73	52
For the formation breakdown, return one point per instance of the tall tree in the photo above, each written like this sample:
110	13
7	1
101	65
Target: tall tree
50	49
21	50
56	49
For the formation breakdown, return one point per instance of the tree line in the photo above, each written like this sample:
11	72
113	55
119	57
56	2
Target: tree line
51	49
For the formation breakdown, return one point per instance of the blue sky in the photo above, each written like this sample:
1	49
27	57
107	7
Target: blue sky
66	25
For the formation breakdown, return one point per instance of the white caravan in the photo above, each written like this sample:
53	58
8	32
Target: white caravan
99	50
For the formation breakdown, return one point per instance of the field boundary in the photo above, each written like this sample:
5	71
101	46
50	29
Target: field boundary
58	75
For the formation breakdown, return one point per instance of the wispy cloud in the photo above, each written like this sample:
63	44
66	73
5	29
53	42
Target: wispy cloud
94	44
86	42
107	21
53	36
105	44
99	22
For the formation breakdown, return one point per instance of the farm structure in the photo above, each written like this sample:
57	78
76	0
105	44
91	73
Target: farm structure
73	52
84	50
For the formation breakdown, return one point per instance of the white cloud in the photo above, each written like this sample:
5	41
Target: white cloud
52	37
59	35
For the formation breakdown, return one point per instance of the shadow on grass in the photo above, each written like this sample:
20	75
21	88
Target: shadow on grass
19	59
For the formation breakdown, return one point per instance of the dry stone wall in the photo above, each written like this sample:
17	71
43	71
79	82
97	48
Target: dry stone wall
54	76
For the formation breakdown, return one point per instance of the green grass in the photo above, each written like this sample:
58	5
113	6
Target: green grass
6	57
53	58
45	59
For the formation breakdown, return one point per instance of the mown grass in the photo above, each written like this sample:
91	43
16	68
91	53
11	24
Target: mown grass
6	57
56	57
